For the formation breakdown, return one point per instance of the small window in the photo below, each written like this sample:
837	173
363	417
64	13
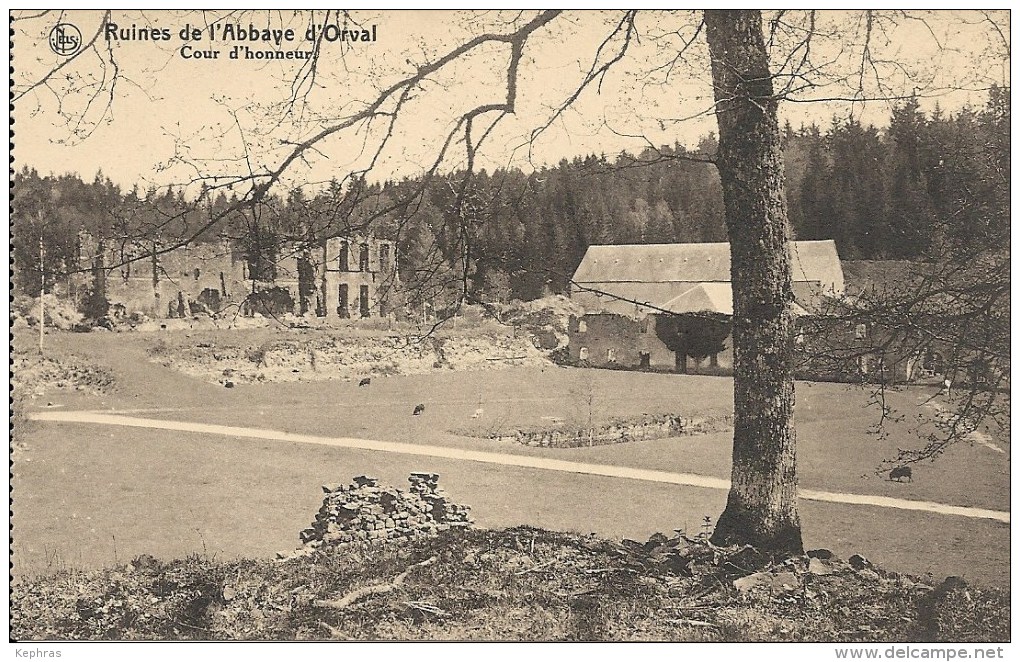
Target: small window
197	274
344	257
582	326
363	258
861	331
583	354
384	258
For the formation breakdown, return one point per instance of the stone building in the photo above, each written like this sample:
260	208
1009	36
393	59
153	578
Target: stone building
360	278
212	276
634	293
344	278
620	278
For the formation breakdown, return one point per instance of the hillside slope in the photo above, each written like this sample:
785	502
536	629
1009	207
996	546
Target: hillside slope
510	585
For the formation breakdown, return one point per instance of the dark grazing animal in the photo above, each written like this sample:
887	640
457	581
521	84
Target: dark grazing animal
419	410
365	382
899	473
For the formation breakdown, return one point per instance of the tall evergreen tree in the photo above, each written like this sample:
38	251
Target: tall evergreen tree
909	215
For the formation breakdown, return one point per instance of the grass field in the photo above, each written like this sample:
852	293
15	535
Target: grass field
87	496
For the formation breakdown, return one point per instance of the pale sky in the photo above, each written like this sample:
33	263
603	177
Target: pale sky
173	118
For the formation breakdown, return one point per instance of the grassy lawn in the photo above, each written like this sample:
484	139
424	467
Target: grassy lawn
87	499
88	496
836	451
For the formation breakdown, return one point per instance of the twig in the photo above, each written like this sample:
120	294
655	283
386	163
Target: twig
426	607
692	605
699	605
536	568
686	621
185	625
332	630
365	591
577	594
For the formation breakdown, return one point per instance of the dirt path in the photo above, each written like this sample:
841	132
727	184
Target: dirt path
506	459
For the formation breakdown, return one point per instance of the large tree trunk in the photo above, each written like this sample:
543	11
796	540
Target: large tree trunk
762	505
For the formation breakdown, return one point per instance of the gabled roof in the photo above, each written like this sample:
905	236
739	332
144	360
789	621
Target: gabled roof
703	298
711	298
697	263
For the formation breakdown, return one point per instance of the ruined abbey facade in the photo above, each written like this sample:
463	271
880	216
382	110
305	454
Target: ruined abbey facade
344	278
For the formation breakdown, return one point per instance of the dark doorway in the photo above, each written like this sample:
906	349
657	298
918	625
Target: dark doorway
364	300
306	285
343	309
646	359
211	299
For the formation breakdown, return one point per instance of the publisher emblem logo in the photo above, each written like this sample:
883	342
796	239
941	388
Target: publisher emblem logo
65	39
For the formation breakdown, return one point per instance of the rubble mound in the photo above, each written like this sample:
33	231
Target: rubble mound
315	356
60	313
367	511
558	434
617	432
34	375
545	319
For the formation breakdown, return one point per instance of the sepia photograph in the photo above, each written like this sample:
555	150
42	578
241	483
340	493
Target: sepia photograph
511	325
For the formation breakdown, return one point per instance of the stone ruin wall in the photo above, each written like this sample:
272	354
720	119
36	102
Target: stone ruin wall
655	427
215	276
367	512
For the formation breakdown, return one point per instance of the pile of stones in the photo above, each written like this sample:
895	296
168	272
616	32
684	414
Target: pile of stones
619	432
367	511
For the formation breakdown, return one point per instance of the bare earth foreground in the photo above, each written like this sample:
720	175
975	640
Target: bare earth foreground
88	495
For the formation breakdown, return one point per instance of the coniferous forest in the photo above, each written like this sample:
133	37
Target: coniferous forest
905	191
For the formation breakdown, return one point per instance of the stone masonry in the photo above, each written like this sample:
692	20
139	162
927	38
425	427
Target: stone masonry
367	512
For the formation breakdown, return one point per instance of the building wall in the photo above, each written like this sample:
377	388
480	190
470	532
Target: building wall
219	277
848	354
859	352
607	340
212	273
377	274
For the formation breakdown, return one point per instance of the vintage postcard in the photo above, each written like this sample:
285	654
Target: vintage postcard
512	326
